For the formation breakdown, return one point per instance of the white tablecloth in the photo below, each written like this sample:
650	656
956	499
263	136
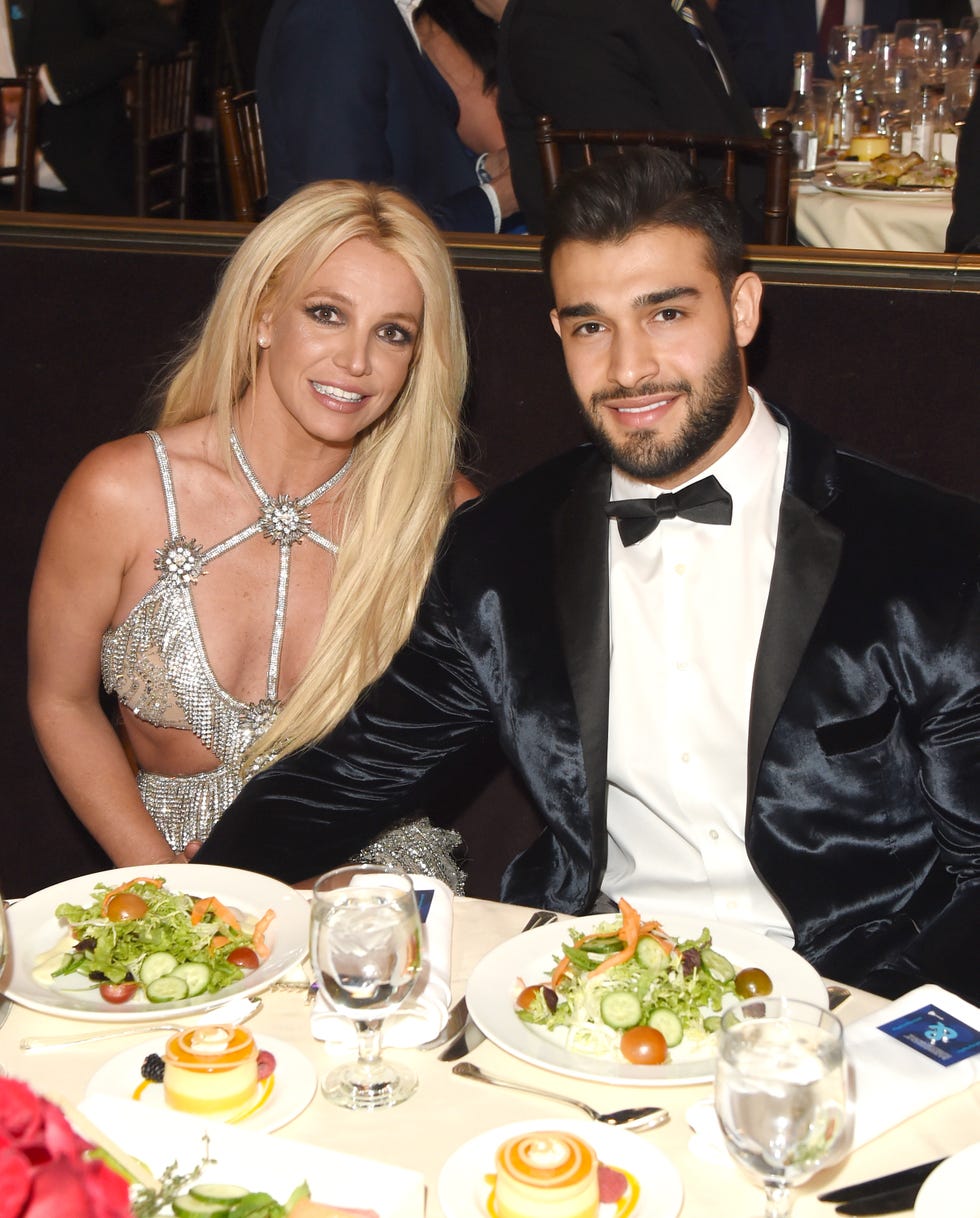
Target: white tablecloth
901	223
446	1111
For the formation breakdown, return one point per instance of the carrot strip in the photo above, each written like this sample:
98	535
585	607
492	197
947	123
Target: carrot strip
208	905
258	934
140	879
630	934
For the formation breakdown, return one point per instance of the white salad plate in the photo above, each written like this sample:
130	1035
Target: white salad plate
466	1178
952	1188
34	929
277	1101
529	958
238	1155
836	182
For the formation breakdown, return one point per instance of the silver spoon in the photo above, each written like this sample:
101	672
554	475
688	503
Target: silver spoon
632	1118
42	1044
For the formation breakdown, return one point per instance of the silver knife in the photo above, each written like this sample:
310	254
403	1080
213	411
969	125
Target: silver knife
471	1036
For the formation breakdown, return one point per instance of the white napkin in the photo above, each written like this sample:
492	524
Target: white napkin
891	1080
425	1015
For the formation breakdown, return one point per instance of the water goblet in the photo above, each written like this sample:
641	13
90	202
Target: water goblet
366	953
782	1093
850	47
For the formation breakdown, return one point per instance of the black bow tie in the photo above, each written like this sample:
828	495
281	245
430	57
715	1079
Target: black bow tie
706	501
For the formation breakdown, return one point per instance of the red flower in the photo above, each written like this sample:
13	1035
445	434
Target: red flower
43	1169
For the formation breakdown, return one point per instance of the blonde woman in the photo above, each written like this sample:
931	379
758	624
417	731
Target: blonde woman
240	574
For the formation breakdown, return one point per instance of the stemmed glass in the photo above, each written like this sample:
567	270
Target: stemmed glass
782	1093
849	48
366	953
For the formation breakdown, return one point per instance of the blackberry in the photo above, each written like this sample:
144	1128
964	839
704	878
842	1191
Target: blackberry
152	1068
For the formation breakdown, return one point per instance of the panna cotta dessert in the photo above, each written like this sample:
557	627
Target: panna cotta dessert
210	1070
547	1174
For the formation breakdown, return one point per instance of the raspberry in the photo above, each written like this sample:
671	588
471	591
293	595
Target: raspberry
152	1068
266	1063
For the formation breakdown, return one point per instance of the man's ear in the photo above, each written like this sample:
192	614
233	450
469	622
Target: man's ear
746	307
555	323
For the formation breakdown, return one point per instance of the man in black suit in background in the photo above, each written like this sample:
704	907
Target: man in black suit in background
650	65
83	48
736	668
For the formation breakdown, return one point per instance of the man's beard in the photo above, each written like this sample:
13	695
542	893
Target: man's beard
643	454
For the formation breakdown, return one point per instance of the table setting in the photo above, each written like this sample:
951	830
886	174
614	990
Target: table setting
433	1151
883	135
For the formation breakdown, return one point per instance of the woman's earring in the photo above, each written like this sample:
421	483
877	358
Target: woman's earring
263	342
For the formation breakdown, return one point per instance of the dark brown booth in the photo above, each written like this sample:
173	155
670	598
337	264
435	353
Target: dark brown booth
880	350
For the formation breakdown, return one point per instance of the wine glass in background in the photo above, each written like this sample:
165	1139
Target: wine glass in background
782	1093
849	47
893	84
960	92
918	40
366	953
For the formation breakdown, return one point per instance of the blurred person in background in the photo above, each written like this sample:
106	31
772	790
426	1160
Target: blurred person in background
82	48
345	92
654	65
764	35
963	234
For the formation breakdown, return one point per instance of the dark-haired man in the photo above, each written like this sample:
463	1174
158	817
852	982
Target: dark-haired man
737	669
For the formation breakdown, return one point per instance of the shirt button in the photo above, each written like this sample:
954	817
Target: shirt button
681	665
685	756
713	834
680	568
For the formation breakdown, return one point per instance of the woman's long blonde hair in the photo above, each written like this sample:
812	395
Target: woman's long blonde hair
397	495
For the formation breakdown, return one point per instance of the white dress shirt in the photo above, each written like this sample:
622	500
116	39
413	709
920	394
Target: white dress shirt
47	179
853	12
686	609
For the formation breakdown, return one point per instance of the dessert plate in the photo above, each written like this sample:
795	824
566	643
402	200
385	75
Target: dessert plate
237	1155
952	1187
278	1099
493	986
466	1178
34	929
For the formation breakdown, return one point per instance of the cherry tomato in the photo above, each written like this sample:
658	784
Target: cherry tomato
126	907
244	957
118	993
643	1046
752	983
526	997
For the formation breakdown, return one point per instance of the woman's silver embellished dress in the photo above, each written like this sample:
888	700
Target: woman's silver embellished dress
156	664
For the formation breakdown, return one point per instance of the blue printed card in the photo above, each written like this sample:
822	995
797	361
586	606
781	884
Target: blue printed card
939	1036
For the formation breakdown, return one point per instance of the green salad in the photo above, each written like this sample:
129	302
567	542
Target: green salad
140	937
629	990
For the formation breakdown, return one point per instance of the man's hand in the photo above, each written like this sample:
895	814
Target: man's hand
497	165
12	98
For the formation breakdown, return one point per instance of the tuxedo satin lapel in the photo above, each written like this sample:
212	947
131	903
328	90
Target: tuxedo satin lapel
807	556
581	588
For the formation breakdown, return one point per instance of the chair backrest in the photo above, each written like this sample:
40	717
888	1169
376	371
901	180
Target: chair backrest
775	151
22	175
161	105
241	140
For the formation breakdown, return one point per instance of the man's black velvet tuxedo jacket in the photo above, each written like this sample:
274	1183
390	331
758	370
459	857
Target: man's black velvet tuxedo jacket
865	724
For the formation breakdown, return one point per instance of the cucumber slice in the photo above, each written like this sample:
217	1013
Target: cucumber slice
218	1192
712	1023
189	1206
156	964
620	1009
196	976
167	989
717	965
651	955
668	1025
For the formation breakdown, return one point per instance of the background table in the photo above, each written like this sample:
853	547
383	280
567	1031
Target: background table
901	223
447	1111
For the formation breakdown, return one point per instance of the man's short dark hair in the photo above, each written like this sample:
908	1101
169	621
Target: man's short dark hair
644	188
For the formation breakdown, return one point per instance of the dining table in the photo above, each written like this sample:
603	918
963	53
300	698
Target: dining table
877	220
446	1111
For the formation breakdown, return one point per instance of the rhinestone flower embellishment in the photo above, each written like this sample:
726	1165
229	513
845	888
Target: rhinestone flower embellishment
180	560
284	521
257	717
